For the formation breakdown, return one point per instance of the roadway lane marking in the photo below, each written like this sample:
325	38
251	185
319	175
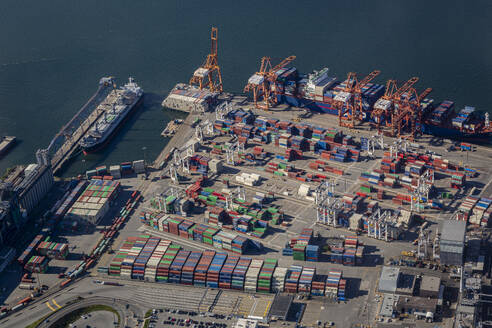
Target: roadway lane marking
267	308
50	307
54	302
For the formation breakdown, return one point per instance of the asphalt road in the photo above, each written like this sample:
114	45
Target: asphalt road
84	288
99	319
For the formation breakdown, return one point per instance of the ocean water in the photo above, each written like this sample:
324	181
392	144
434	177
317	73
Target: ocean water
53	54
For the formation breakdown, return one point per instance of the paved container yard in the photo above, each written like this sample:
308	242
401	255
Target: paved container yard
362	301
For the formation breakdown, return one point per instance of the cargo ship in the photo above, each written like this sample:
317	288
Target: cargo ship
119	104
319	90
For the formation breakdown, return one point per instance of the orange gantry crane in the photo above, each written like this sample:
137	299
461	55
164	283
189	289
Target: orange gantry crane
409	113
208	75
263	83
348	102
385	108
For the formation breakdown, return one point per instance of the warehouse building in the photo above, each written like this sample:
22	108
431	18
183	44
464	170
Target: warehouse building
416	304
405	284
93	204
452	243
387	309
388	281
429	286
281	306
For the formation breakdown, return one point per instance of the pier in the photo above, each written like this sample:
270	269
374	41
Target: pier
65	144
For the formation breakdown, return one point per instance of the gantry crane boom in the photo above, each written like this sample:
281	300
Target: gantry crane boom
404	88
208	75
350	107
283	63
263	82
366	80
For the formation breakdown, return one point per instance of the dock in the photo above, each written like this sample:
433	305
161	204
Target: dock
65	144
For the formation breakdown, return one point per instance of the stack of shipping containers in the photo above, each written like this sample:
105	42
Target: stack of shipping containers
200	276
225	276
138	270
153	263
26	255
251	280
189	268
292	278
37	264
318	285
278	279
176	268
332	283
306	280
239	274
154	259
214	270
165	263
266	275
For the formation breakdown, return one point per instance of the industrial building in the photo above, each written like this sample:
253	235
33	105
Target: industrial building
452	243
416	304
281	306
93	203
10	216
388	281
405	284
31	184
429	286
388	305
38	180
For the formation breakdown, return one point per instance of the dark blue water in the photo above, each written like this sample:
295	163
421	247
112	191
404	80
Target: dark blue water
53	53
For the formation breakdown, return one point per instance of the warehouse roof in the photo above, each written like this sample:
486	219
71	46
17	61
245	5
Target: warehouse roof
430	283
387	306
389	279
417	303
281	305
453	230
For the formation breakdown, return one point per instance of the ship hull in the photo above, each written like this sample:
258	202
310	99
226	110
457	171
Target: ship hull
309	104
429	129
104	141
450	133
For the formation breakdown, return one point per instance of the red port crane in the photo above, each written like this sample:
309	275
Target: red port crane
384	109
348	102
208	75
263	83
409	112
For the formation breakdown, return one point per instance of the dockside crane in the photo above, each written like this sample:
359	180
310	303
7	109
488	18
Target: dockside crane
349	101
208	75
263	83
409	112
384	109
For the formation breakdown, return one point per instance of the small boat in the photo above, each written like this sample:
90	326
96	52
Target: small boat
6	143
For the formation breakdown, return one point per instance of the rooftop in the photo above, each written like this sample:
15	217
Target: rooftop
387	306
418	303
430	283
281	305
453	230
389	279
